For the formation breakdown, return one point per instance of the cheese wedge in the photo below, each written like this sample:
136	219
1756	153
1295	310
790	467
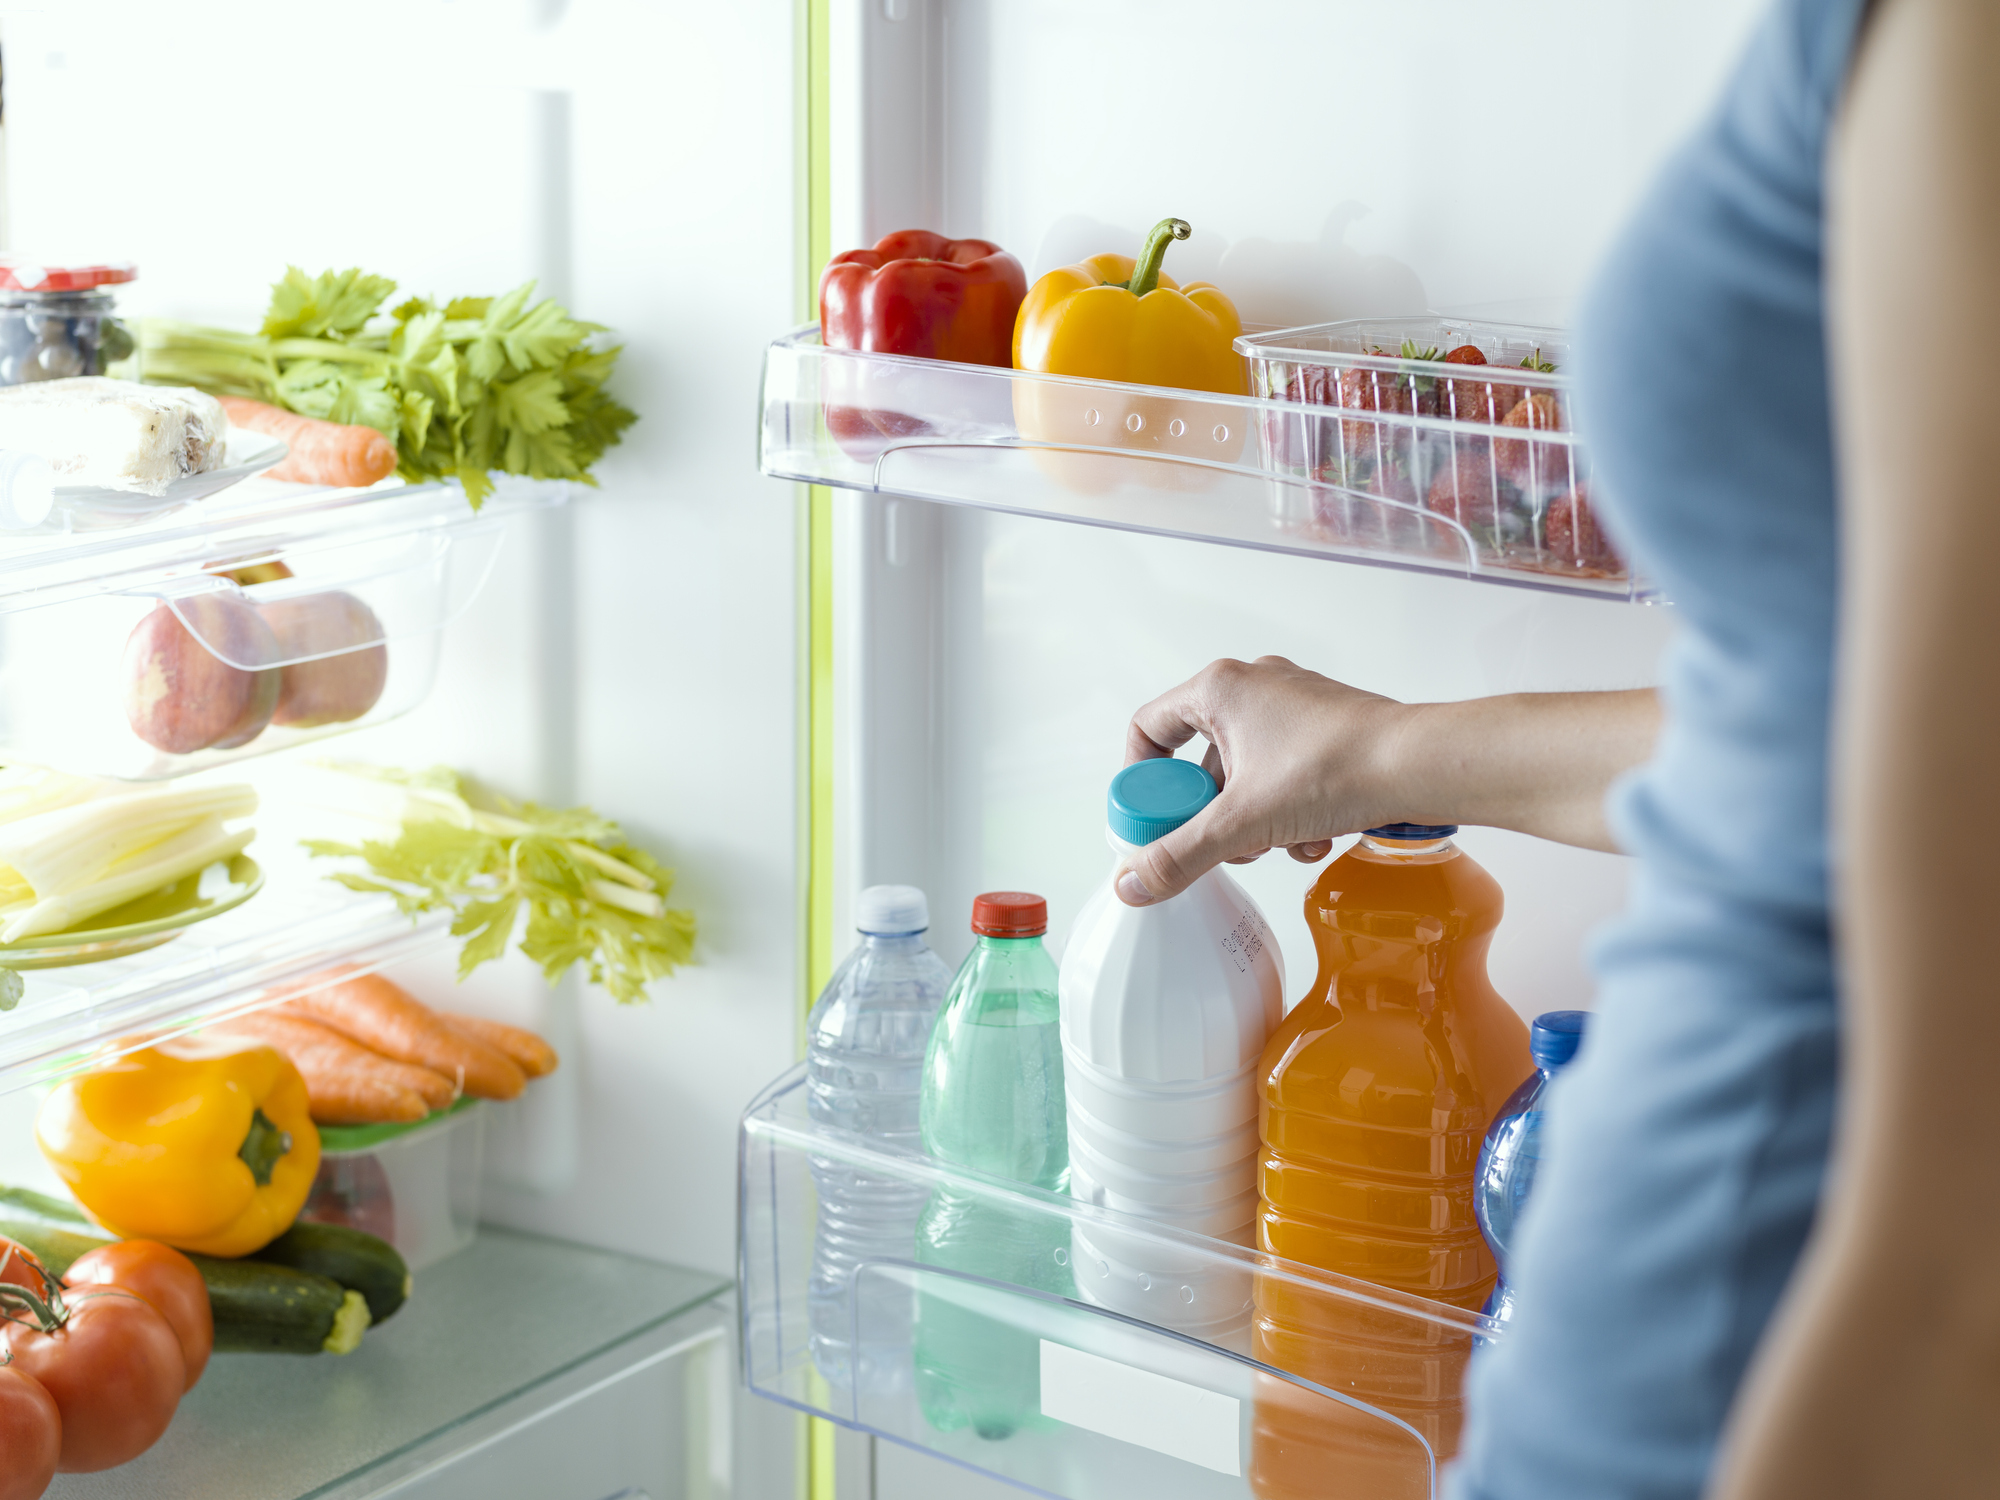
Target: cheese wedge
114	434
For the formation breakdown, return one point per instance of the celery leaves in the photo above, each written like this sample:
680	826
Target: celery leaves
476	385
590	897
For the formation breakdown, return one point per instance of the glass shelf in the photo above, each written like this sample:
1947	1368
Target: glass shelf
269	616
489	1326
1123	1358
1439	494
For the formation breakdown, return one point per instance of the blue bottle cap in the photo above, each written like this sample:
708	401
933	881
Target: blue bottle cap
1411	831
1554	1037
1151	798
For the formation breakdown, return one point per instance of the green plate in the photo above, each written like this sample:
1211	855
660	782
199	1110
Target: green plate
152	919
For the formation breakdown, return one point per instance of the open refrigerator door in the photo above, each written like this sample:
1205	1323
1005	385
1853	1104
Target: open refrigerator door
1372	186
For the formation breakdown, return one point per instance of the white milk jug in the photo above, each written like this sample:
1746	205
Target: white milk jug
1165	1011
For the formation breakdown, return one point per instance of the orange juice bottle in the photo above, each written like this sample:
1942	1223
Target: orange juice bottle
1377	1090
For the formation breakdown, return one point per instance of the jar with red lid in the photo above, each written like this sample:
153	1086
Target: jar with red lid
58	320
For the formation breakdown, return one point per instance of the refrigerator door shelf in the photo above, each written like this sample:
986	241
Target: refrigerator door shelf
1376	484
1154	1377
350	627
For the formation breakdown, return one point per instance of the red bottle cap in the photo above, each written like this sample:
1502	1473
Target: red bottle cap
1009	914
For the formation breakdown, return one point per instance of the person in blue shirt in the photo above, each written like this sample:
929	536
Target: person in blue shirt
1781	372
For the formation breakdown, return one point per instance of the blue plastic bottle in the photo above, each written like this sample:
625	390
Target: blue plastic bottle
1513	1146
865	1043
992	1101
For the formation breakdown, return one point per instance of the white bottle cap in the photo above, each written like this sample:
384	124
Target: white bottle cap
27	490
884	909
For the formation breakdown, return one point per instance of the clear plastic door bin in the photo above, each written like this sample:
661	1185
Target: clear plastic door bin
1174	1368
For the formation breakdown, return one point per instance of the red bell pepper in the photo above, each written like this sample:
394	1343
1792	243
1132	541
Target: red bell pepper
922	294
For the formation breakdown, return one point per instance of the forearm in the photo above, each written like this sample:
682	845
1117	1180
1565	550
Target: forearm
1538	763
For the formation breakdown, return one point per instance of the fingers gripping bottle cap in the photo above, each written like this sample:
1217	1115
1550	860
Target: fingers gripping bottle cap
1009	914
891	910
1149	799
1554	1037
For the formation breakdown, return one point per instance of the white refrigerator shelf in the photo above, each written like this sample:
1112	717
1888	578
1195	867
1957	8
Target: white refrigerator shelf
1144	1361
1366	482
492	1341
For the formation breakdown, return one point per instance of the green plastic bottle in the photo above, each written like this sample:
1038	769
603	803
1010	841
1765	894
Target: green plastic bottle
992	1100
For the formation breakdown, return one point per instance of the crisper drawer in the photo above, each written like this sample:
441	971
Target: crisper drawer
1074	1351
162	650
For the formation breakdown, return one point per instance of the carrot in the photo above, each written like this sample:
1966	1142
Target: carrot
322	452
386	1018
531	1054
345	1084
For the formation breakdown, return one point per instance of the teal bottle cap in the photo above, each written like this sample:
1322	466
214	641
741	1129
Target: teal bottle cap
1151	798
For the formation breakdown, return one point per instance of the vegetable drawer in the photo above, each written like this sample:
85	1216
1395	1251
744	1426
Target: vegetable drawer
165	650
1272	470
1159	1367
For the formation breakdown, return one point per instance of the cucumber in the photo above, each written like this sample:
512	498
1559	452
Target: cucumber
354	1258
56	1249
258	1307
26	1206
261	1309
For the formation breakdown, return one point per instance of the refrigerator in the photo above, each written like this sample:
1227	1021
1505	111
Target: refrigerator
789	669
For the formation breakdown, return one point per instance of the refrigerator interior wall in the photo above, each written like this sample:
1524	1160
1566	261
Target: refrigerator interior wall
637	159
1339	159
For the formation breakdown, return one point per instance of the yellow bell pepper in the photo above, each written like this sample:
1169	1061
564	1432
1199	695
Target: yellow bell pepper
1114	318
208	1146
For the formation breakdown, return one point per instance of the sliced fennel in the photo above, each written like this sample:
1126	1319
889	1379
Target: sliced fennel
72	847
64	850
191	849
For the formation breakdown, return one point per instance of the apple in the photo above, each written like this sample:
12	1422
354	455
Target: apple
180	696
331	689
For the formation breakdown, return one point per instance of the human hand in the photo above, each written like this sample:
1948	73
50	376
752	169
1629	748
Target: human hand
1300	760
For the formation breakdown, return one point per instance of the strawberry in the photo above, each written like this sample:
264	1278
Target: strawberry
1484	400
1533	463
1572	538
1465	489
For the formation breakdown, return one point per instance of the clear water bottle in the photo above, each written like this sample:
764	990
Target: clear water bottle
865	1042
1513	1147
992	1101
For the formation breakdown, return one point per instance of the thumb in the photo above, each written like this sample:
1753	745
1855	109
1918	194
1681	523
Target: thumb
1175	861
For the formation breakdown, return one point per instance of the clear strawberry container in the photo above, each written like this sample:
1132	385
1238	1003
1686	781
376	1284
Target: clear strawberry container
1452	434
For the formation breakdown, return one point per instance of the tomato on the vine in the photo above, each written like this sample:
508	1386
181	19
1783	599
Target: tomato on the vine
169	1283
20	1266
30	1436
113	1366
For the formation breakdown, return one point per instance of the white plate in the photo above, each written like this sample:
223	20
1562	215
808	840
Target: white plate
244	453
